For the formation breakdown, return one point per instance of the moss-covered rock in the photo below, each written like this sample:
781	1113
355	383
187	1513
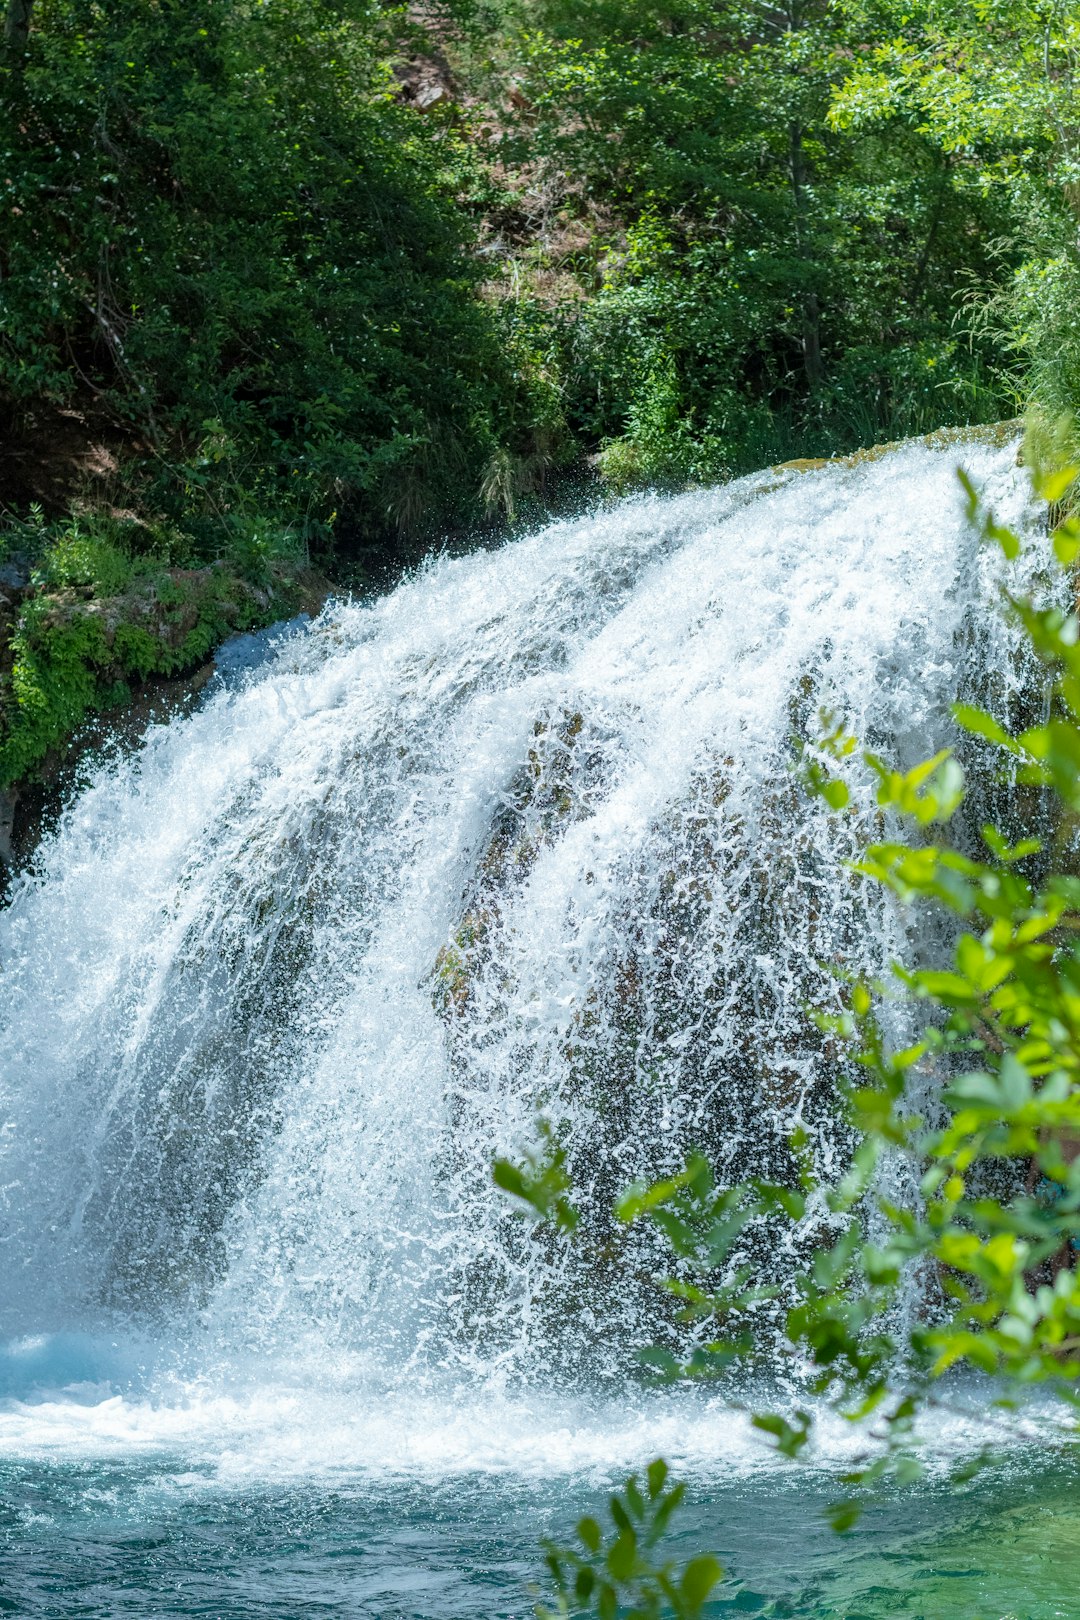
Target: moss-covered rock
548	792
992	433
70	651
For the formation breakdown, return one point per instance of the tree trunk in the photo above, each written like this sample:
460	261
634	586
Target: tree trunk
923	265
811	340
17	24
811	308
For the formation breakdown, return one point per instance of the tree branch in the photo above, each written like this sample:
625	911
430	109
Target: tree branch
17	24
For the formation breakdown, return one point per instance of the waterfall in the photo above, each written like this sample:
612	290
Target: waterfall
521	841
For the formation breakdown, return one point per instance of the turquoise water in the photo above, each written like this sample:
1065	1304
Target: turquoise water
165	1534
133	1485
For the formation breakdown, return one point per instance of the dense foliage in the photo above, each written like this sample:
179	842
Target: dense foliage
743	277
321	281
230	248
994	86
219	217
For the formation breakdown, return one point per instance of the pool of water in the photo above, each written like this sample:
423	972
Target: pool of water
419	1508
109	1539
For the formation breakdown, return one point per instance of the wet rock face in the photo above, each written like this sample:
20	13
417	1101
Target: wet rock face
14	578
33	807
550	790
684	1027
8	805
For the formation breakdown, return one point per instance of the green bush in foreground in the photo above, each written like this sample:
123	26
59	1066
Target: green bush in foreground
994	1230
615	1573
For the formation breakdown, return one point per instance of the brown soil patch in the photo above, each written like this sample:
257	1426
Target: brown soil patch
57	457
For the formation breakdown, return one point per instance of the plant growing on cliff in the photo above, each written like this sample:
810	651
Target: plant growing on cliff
103	609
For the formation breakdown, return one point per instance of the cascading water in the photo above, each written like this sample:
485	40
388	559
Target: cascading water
521	840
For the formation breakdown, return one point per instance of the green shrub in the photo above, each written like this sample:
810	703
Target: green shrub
107	606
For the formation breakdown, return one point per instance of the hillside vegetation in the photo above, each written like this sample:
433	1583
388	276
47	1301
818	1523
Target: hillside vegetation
295	285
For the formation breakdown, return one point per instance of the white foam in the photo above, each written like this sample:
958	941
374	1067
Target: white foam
220	1432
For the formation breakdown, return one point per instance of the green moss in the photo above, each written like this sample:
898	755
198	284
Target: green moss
74	653
455	965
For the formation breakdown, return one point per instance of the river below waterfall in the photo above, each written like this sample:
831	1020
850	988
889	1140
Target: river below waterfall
289	1511
522	841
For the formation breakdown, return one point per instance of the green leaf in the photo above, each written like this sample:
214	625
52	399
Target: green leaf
621	1517
622	1556
790	1438
699	1577
1053	485
584	1583
843	1515
981	724
1067	543
660	1360
509	1177
589	1532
